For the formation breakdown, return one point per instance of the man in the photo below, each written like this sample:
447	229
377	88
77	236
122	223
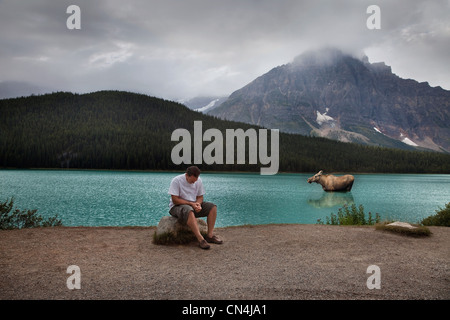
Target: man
186	204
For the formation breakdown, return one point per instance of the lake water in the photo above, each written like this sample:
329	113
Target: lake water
107	198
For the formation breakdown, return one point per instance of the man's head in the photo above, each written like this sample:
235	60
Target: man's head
192	174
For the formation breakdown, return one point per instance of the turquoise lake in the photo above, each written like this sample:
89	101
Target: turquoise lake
110	198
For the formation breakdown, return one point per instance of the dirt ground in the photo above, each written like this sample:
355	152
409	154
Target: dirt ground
286	262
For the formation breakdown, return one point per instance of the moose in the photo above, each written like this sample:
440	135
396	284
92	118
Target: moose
330	182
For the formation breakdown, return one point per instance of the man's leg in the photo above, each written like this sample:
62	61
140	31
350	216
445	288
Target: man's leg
186	215
211	221
192	223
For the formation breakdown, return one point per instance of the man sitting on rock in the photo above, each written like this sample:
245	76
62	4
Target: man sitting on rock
186	204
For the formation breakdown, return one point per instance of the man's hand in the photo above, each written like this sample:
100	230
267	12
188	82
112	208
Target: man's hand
197	206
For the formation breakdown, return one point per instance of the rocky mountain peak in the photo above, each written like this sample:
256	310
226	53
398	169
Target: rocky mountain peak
332	94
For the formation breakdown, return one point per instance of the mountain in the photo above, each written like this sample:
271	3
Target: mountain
123	130
331	94
203	104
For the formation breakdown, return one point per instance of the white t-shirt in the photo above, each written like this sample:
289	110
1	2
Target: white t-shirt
185	190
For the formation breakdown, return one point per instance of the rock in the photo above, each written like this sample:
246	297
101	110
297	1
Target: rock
401	224
170	225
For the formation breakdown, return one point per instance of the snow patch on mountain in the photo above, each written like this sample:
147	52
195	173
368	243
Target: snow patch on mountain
323	118
409	142
208	106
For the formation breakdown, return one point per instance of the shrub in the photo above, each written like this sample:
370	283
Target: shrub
441	218
16	219
351	216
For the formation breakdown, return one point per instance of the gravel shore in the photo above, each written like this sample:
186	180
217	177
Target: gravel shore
276	262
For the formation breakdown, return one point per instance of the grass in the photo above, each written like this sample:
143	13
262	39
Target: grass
351	216
356	216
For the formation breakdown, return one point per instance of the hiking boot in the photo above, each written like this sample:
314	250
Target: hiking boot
213	239
204	245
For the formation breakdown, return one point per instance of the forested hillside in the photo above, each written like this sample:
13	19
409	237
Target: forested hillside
121	130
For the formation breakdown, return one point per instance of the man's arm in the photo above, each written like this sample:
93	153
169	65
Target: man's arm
196	205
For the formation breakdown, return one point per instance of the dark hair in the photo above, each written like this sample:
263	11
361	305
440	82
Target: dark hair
193	171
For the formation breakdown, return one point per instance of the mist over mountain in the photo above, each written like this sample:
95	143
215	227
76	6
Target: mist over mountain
335	95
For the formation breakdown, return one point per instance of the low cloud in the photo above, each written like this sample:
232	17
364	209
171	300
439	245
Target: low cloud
181	49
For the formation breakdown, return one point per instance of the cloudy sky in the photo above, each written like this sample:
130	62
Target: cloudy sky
178	49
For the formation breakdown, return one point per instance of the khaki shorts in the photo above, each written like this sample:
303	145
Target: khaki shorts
181	212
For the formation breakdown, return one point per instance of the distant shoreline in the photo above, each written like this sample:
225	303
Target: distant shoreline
213	172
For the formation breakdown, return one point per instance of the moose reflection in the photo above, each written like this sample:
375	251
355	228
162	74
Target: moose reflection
330	182
332	199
